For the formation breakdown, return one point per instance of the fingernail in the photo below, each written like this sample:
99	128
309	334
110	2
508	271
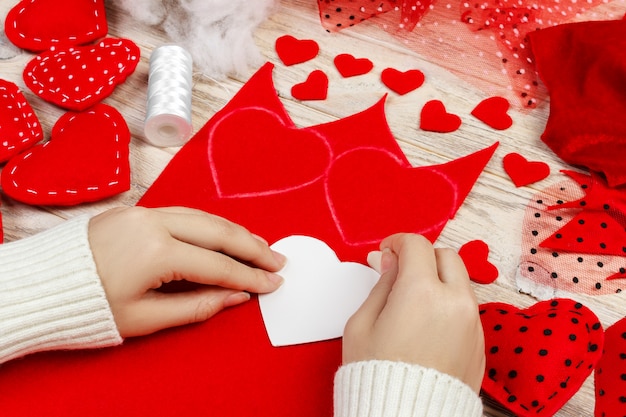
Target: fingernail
373	259
280	258
275	278
387	261
236	299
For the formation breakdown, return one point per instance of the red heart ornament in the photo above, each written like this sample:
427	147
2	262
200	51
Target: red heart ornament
76	78
38	25
610	373
314	88
402	82
85	160
435	118
523	172
293	51
493	112
475	255
349	66
247	151
538	357
19	125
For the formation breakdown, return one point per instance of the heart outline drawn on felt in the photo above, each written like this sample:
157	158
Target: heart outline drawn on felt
320	293
292	50
93	143
522	171
350	66
402	82
315	87
493	112
435	118
475	255
77	77
243	161
38	25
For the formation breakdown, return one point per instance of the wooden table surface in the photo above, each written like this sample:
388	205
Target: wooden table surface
492	212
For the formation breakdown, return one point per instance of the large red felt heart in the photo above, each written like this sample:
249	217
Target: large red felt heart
349	66
19	125
293	51
38	25
76	78
247	151
538	357
475	255
314	88
435	118
85	160
402	82
610	374
522	171
493	112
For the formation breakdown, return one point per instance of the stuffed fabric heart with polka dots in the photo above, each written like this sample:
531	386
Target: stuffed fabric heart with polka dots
610	374
76	78
538	358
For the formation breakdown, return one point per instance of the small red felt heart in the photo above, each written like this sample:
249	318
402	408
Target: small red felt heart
475	256
493	112
610	373
76	78
314	88
19	125
402	82
86	159
435	118
349	66
38	25
538	358
293	51
522	171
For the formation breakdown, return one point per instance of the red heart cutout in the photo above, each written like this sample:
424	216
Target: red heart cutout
314	88
493	112
538	357
435	118
475	255
76	78
246	154
349	66
38	25
19	125
402	82
359	197
523	172
610	373
85	160
293	51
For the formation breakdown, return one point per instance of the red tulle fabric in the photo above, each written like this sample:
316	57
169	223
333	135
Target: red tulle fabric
483	42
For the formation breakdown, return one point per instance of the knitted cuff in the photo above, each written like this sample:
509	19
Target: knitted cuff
51	296
396	389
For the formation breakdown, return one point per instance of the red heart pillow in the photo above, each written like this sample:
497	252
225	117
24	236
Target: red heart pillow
610	374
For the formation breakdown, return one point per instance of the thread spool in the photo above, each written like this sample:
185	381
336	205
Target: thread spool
168	105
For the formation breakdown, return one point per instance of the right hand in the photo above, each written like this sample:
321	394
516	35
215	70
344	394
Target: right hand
422	311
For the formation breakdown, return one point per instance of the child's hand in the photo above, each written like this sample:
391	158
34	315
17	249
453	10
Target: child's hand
136	250
422	311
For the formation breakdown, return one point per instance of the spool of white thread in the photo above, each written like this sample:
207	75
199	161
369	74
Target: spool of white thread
168	107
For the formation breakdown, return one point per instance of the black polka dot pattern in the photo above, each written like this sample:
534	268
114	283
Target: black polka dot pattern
610	373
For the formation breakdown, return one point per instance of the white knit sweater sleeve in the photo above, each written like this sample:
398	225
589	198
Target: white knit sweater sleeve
397	389
51	296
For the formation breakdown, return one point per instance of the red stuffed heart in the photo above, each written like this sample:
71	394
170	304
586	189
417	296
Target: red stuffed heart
19	125
349	66
610	374
76	78
38	25
475	255
493	112
85	160
435	118
524	172
538	357
402	82
314	88
254	163
293	51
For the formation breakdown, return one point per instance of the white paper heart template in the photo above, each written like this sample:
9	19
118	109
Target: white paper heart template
319	294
